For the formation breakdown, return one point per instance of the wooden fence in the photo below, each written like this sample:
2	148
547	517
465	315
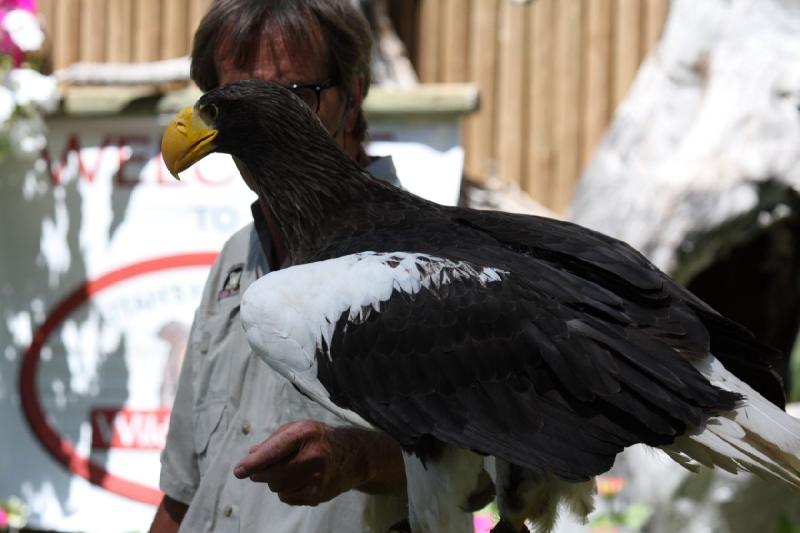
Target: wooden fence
551	72
119	30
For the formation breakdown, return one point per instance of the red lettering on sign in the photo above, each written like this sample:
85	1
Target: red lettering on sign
74	145
129	428
126	146
138	162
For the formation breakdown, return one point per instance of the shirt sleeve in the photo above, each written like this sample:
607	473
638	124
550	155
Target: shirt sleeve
180	474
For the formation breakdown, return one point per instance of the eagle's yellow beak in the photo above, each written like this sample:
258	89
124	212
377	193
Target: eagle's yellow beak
186	141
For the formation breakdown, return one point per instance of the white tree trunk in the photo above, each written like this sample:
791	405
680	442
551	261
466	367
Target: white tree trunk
701	161
709	133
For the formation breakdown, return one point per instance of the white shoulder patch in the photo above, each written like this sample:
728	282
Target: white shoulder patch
289	313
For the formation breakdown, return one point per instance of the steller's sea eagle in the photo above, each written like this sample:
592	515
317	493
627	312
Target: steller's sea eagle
468	335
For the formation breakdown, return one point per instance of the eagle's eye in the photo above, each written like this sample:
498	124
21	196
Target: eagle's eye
211	111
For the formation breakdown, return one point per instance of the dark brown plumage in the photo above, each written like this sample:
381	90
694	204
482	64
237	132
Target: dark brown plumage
580	349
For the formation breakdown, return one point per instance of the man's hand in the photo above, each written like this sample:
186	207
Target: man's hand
308	462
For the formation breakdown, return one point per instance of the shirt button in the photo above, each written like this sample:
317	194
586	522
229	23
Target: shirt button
245	427
228	510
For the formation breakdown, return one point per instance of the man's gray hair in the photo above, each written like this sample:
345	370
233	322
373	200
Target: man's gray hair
240	26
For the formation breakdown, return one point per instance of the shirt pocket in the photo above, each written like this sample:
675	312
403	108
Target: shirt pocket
218	349
207	432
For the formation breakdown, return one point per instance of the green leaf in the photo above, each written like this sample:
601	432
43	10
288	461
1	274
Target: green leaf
794	372
636	515
786	526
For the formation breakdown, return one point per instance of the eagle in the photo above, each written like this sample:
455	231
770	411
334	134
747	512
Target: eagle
510	356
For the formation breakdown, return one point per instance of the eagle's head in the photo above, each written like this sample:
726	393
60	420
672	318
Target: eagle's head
259	122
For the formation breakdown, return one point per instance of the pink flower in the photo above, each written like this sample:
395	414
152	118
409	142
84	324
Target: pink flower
7	44
27	5
610	486
3	518
482	523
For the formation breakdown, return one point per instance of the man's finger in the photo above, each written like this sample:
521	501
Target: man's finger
281	475
303	496
279	484
278	447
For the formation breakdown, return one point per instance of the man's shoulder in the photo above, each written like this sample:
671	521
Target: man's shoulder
241	241
237	248
382	167
239	260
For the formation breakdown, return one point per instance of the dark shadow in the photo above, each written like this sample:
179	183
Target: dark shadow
757	283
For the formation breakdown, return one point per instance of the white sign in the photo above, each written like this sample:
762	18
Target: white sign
104	260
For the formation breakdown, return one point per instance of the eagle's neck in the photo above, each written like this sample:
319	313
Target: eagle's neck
307	195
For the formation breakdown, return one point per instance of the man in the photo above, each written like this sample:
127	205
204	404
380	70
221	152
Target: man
229	404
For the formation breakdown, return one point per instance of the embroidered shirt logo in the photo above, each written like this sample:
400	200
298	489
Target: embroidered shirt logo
232	282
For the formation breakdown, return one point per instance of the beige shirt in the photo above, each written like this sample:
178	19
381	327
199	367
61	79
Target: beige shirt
229	400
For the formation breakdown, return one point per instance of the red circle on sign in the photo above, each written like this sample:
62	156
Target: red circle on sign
62	450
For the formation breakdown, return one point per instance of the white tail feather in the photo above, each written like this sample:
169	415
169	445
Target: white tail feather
757	436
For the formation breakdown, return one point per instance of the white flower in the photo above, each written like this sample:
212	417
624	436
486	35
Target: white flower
7	105
32	88
27	136
24	29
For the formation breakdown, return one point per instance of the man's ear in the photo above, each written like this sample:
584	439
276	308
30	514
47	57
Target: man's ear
354	104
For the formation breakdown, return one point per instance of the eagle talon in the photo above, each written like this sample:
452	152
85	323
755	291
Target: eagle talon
503	526
482	496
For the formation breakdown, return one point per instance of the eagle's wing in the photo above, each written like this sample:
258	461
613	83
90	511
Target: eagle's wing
540	370
617	267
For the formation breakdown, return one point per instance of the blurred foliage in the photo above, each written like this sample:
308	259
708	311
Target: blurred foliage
13	514
612	514
632	518
794	375
785	525
25	93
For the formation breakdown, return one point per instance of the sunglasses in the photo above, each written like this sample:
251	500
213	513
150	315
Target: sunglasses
310	92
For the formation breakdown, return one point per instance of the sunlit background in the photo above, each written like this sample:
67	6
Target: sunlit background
672	125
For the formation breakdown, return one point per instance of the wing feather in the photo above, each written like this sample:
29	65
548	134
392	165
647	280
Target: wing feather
508	368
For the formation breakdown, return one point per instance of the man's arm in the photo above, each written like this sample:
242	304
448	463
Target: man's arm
168	516
309	462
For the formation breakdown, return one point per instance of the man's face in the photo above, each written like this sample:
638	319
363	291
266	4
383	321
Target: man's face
275	63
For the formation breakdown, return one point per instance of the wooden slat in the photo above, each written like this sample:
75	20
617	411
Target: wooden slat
655	14
567	101
540	156
626	45
430	41
175	28
119	31
147	30
405	17
197	9
480	127
47	12
546	94
93	35
455	30
510	135
66	33
597	93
